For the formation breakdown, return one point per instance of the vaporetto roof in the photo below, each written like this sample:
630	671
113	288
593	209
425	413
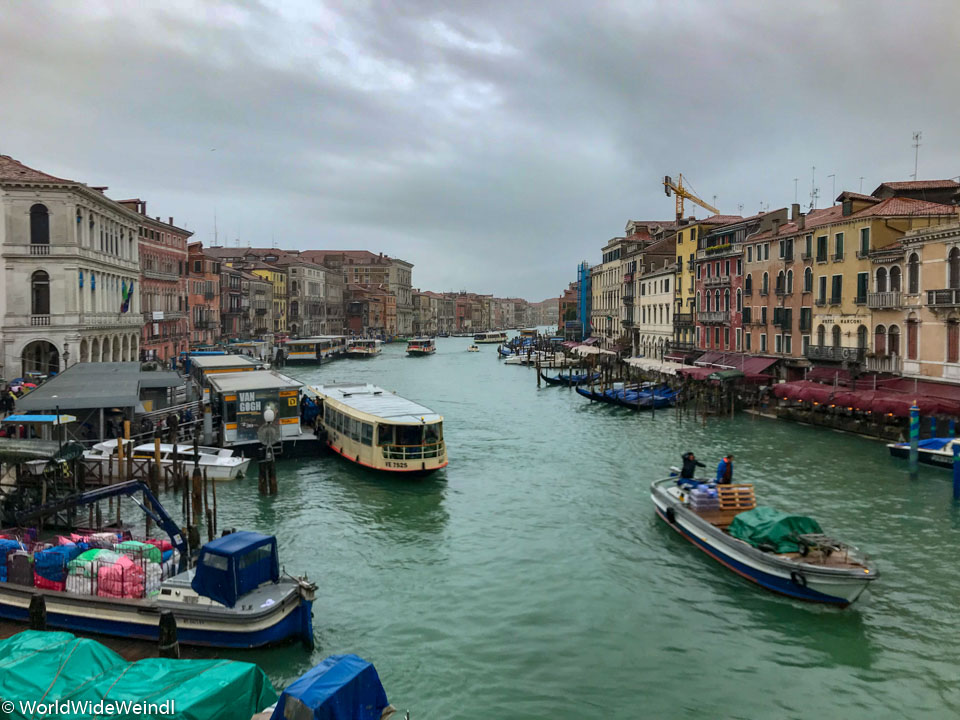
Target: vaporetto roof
378	402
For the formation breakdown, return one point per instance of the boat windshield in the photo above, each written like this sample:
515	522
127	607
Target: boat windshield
409	442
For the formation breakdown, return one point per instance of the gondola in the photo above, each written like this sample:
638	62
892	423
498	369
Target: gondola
570	379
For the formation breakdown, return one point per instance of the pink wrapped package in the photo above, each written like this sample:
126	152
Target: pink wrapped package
122	579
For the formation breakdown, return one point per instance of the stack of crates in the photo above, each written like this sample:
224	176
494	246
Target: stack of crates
704	498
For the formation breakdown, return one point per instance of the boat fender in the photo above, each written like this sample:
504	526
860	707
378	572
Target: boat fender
803	549
671	516
798	579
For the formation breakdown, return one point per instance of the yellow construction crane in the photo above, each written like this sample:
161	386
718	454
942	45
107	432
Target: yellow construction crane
683	194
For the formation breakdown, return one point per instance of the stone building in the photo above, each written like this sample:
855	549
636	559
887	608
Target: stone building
71	273
203	296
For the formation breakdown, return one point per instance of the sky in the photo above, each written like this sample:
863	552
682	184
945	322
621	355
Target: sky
494	145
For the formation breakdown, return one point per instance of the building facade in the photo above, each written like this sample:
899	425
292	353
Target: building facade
71	273
654	287
203	296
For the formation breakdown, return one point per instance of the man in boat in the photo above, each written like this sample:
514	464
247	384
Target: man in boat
690	465
725	470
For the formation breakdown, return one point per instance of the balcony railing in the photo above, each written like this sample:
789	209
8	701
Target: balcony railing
628	299
788	257
159	275
779	291
39	320
821	258
39	249
838	354
208	296
717	281
884	364
764	291
860	300
806	256
949	297
881	300
863	255
837	257
820	302
714	317
835	300
683	319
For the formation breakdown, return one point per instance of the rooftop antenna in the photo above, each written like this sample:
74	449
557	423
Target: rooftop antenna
916	151
833	189
739	208
814	191
796	186
861	183
215	227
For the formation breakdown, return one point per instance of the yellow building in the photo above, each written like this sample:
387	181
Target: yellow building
844	275
684	322
278	279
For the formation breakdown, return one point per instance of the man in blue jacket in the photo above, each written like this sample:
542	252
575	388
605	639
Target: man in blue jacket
725	470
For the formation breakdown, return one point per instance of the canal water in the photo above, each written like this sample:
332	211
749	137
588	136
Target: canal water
531	579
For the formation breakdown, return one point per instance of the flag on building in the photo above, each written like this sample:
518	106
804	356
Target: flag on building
126	293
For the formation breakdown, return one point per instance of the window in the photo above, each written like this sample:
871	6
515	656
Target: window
763	314
748	284
913	332
698	271
913	275
781	283
863	280
778	343
953	269
836	289
766	251
953	341
699	308
739	267
822	248
726	268
716	337
862	337
747	341
781	250
39	225
836	335
39	293
739	338
789	282
747	315
787	345
807	280
726	338
716	298
739	301
895	278
880	340
763	342
749	253
893	340
765	284
881	282
864	241
805	344
822	335
198	266
808	246
838	246
726	300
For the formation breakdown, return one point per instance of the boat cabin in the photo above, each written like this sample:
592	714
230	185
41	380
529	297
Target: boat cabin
244	397
232	566
311	350
363	347
421	346
496	336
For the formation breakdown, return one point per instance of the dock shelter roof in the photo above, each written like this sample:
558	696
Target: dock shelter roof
252	380
376	401
87	385
214	362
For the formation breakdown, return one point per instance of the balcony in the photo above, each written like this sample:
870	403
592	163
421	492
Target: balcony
39	320
717	281
883	300
860	300
627	278
836	354
764	292
714	318
691	265
806	256
627	322
821	259
779	291
836	300
863	254
208	296
158	275
884	364
683	319
837	257
39	249
628	299
788	257
943	298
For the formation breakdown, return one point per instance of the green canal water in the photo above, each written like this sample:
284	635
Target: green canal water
531	579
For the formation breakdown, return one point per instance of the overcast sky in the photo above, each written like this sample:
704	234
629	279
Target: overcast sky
494	145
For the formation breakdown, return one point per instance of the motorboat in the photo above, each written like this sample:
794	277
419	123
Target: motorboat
364	348
787	554
219	463
420	347
936	451
473	348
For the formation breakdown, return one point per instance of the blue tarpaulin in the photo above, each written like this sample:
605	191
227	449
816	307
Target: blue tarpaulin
342	687
231	566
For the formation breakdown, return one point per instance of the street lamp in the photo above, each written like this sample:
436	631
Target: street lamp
269	415
66	355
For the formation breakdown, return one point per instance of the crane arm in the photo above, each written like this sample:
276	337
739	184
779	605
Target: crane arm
683	194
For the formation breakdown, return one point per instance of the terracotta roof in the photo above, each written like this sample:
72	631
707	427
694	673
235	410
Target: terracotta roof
906	206
15	171
363	255
918	185
815	218
848	195
718	220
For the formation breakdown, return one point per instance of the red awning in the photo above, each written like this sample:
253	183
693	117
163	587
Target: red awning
709	358
756	365
590	341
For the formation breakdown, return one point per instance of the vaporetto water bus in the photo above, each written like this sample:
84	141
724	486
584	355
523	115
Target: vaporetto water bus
418	347
319	349
380	430
363	348
493	337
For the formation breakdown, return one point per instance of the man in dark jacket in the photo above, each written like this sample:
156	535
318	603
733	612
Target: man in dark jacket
690	465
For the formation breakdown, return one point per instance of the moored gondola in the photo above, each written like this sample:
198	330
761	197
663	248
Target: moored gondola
570	379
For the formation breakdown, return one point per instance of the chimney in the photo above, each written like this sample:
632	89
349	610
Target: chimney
171	220
847	207
776	226
801	221
794	211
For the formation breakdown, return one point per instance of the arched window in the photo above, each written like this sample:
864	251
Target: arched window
789	281
913	275
698	302
895	278
780	282
39	225
716	299
808	280
836	336
821	335
862	337
748	284
913	332
893	340
765	284
726	300
953	341
739	301
880	340
953	269
881	284
39	293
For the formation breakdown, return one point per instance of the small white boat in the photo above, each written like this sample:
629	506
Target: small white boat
220	464
473	348
936	451
544	359
817	568
363	348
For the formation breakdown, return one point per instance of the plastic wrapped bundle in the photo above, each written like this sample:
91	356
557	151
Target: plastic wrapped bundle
154	576
140	551
121	579
85	562
7	546
171	563
80	584
50	566
164	545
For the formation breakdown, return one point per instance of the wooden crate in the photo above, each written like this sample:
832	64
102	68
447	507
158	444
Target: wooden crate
734	499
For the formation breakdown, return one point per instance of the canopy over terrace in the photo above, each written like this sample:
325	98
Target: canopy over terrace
652	365
92	390
751	366
885	400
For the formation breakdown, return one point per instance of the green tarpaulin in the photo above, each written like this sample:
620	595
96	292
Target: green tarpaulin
767	527
56	667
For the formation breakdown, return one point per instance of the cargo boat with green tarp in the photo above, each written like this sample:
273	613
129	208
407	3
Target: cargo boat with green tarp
787	554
